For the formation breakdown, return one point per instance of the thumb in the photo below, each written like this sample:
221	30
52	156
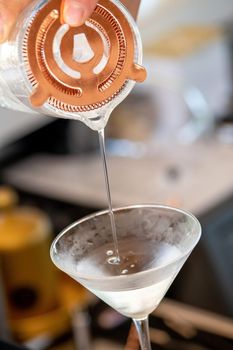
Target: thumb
75	12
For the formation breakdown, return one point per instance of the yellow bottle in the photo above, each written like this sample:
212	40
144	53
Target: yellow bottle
29	278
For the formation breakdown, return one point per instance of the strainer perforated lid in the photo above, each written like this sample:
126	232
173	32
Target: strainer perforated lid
84	68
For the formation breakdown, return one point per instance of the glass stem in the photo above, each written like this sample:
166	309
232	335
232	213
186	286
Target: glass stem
142	327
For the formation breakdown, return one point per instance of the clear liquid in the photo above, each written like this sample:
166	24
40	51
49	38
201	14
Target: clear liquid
135	295
115	258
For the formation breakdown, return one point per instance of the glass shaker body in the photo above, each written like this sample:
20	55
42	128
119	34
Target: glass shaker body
16	78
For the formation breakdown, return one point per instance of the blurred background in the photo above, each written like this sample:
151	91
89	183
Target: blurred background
171	142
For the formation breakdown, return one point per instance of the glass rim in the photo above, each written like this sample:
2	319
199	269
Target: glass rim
119	209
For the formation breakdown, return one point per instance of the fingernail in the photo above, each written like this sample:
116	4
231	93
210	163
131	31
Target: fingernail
74	14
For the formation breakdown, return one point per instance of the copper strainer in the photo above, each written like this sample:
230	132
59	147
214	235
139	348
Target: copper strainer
83	69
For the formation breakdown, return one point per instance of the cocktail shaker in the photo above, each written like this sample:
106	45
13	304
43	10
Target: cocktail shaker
77	73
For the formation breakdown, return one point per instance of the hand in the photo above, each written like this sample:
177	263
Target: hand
75	12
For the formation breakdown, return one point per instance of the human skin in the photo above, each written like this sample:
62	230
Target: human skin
74	12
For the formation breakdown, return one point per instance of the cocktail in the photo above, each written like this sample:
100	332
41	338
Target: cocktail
153	243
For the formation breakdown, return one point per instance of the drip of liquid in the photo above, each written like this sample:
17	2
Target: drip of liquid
115	259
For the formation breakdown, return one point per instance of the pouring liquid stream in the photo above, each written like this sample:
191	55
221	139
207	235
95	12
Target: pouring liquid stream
115	259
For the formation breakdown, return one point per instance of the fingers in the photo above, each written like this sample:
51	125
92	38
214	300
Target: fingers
75	12
9	11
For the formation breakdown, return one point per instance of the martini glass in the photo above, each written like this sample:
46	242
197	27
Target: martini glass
154	242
